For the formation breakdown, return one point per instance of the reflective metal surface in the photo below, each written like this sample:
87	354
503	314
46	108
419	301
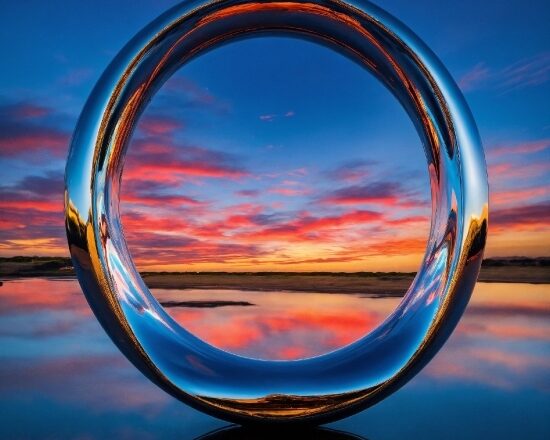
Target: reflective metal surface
225	385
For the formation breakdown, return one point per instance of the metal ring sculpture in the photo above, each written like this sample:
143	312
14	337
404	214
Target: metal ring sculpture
314	390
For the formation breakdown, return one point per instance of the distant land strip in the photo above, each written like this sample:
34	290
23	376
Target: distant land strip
501	270
205	304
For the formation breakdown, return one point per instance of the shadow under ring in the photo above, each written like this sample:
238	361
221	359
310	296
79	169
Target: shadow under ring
228	386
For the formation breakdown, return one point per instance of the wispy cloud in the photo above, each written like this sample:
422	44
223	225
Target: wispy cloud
529	72
248	193
289	192
25	132
352	171
521	196
181	93
157	125
40	193
529	147
163	160
270	117
380	193
32	212
502	173
267	118
472	79
76	77
24	109
529	216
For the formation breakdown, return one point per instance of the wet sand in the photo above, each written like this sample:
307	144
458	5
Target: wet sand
386	284
368	283
515	274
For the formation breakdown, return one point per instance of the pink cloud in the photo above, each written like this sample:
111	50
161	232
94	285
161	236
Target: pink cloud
525	217
32	216
29	110
519	148
532	71
352	171
289	192
28	141
475	77
160	199
166	161
502	173
380	193
21	135
158	125
310	228
515	196
248	193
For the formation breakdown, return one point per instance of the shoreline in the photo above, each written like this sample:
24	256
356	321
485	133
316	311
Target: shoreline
512	270
369	284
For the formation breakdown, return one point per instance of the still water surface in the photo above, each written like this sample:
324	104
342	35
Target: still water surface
61	376
278	325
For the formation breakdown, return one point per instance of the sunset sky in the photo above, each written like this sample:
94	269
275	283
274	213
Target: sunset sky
274	153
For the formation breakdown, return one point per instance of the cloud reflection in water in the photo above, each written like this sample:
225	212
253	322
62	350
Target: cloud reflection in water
60	374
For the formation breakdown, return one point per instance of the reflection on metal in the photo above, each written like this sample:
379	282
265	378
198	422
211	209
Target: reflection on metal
228	386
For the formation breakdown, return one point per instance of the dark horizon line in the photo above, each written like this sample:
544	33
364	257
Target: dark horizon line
487	262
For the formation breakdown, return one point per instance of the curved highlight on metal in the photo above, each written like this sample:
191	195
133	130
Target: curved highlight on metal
314	390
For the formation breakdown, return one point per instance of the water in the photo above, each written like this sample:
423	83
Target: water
61	377
279	325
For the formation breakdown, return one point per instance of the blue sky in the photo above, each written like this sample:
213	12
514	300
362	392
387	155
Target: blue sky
301	151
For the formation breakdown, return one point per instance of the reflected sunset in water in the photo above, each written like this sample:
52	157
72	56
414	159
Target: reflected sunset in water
279	325
60	372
